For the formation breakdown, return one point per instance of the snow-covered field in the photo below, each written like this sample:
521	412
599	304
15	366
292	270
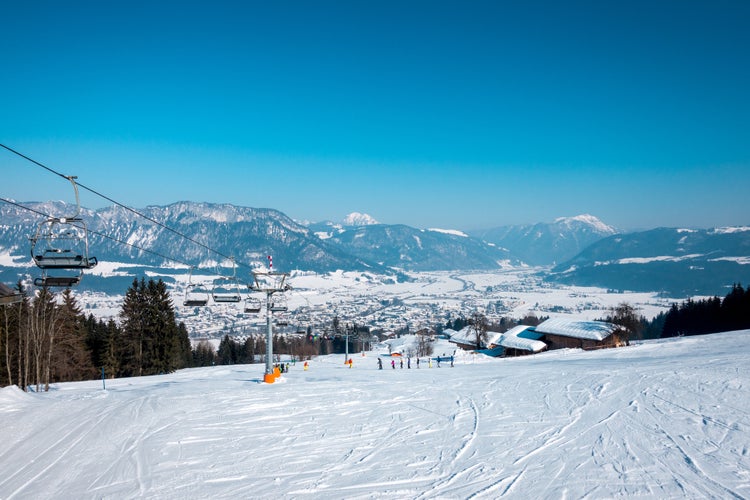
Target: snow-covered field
662	419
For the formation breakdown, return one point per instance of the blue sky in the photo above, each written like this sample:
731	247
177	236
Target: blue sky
434	114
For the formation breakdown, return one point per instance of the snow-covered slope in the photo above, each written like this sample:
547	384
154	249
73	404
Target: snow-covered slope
664	419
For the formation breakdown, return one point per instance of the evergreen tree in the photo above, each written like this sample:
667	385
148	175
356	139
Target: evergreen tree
184	347
151	341
70	357
130	341
226	353
204	354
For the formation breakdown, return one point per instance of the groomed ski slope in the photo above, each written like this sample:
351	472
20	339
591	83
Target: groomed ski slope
663	419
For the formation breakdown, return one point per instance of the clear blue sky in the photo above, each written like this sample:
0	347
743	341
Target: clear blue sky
433	114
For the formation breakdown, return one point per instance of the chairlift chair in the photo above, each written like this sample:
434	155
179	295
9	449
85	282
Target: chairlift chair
61	243
278	303
195	294
252	305
282	320
302	323
223	293
226	289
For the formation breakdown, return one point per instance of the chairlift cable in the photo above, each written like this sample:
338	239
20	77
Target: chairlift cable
97	233
132	210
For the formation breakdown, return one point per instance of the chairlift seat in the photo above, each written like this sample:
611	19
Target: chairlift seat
226	298
195	302
65	262
61	281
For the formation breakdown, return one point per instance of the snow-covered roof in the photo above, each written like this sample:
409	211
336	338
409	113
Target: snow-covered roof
525	331
466	336
450	332
588	330
522	337
512	342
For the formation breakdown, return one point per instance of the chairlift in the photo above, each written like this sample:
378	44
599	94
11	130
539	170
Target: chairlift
61	243
278	303
196	295
253	305
226	289
282	320
302	323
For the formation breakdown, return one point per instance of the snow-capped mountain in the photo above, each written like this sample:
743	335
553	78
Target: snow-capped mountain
550	242
358	219
247	234
683	262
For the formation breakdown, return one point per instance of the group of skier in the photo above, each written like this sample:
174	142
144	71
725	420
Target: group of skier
408	362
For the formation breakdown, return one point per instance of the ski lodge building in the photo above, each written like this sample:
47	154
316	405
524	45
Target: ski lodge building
555	333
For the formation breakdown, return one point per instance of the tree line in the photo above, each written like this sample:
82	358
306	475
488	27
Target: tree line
46	338
691	317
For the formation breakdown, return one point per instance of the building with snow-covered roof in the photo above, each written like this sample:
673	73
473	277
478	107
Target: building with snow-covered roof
561	333
517	341
466	339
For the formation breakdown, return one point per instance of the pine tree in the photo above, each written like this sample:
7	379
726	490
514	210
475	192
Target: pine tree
70	358
130	342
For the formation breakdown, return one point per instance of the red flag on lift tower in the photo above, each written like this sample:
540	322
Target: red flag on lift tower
270	263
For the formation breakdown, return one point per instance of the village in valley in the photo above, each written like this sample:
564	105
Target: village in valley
374	308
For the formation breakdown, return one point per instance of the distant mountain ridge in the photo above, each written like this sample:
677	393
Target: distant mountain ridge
250	235
682	262
400	246
547	243
247	234
678	261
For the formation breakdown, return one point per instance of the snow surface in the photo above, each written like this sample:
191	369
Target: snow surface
454	232
662	419
731	229
589	220
359	219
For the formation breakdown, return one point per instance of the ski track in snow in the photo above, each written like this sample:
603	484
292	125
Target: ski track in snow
662	419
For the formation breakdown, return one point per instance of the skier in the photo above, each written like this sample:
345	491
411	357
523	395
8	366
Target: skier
380	364
402	363
451	360
408	363
417	362
393	364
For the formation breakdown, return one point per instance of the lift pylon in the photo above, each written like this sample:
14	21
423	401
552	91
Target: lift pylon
270	283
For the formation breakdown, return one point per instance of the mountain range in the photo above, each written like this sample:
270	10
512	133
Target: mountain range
680	262
589	252
544	244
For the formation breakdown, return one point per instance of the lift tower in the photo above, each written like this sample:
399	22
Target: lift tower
270	283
